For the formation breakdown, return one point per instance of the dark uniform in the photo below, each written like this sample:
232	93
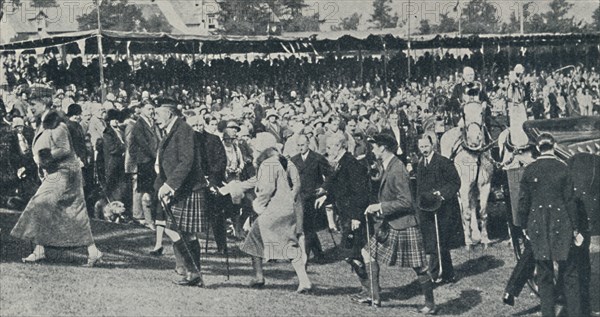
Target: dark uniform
439	175
585	172
548	213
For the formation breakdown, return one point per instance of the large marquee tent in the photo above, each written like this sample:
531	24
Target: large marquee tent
371	40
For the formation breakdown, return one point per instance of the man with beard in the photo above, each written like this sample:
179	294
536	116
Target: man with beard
347	188
180	183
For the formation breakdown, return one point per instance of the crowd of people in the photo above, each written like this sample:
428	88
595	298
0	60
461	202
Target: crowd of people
278	148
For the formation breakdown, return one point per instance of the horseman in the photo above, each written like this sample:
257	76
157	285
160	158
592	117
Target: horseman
468	91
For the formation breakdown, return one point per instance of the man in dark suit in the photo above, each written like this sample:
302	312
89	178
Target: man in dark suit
143	146
347	189
313	169
549	220
398	239
214	165
181	183
585	172
437	176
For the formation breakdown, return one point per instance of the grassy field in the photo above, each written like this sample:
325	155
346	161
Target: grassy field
133	283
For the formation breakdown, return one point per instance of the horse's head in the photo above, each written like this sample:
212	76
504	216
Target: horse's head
474	136
473	113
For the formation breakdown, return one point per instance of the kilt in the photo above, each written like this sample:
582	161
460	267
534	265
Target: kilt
189	213
402	247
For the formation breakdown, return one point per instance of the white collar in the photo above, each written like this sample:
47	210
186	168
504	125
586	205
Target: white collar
170	126
305	156
386	162
429	158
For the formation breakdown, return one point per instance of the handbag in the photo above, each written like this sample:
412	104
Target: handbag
383	232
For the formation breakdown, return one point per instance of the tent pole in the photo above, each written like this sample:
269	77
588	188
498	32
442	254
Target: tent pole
360	57
100	55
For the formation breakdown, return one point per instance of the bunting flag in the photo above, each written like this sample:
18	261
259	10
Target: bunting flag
128	50
285	48
314	50
456	6
81	46
39	51
498	51
293	49
18	54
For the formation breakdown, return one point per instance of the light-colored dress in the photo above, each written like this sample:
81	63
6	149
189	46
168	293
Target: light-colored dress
56	215
274	234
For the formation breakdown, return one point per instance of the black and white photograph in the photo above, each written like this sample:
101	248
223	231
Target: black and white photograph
300	158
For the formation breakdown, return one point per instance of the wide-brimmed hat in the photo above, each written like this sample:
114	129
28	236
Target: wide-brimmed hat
429	202
271	113
233	125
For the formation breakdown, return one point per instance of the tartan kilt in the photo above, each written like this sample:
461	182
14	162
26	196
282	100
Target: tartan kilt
402	247
189	213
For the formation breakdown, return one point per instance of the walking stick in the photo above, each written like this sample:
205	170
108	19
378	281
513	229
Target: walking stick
332	238
370	261
226	256
169	213
439	250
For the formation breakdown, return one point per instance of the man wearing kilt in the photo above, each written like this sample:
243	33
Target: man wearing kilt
180	182
397	239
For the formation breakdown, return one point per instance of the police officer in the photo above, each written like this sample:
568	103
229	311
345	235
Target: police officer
549	221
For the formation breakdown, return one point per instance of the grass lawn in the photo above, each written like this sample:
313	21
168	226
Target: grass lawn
130	282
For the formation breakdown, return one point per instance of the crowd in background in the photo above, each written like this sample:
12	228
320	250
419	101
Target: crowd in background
289	96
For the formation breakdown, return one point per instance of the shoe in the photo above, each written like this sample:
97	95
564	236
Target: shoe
358	266
366	301
191	280
93	261
445	280
150	226
304	289
34	258
358	296
426	310
255	283
157	252
508	299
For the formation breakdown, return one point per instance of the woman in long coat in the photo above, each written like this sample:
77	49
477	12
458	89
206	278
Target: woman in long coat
114	157
56	215
276	234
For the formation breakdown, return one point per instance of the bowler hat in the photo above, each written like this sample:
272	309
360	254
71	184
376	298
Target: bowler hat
113	114
74	110
386	140
429	202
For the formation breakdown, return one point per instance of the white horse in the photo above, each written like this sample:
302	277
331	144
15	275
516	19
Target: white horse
465	145
516	152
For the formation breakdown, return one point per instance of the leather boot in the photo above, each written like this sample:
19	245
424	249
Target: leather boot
193	276
376	289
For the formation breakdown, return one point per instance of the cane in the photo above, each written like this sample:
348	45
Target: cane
370	261
439	250
169	213
332	238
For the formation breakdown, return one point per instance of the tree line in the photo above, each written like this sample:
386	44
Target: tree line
272	17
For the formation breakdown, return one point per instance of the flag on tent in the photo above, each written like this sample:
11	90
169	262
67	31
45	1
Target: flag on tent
285	48
456	6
